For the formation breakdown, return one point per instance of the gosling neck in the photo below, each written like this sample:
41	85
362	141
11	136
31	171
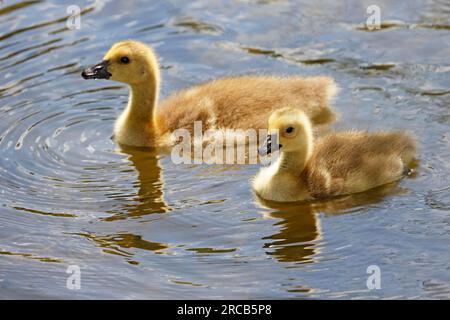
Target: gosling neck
295	161
142	102
136	126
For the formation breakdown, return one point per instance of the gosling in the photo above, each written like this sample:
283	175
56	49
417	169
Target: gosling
242	102
337	164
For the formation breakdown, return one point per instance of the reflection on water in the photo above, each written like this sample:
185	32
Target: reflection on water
150	184
299	223
141	227
117	243
299	231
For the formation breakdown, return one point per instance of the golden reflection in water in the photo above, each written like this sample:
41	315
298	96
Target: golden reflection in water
117	243
148	200
299	227
150	196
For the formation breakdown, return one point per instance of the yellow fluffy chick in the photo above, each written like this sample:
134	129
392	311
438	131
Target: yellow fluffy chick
230	103
337	164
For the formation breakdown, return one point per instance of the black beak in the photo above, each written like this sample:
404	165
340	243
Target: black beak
270	145
99	71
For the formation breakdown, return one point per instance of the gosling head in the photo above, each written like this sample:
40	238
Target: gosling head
289	130
130	62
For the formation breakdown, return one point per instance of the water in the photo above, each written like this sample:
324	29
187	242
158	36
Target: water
139	226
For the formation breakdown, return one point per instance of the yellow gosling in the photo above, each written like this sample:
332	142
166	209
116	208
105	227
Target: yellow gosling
337	164
230	103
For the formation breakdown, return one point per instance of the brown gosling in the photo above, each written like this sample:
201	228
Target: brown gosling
242	102
337	164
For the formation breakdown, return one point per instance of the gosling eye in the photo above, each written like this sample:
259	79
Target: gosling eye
124	60
289	130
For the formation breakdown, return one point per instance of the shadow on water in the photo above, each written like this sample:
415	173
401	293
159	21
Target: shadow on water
299	223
